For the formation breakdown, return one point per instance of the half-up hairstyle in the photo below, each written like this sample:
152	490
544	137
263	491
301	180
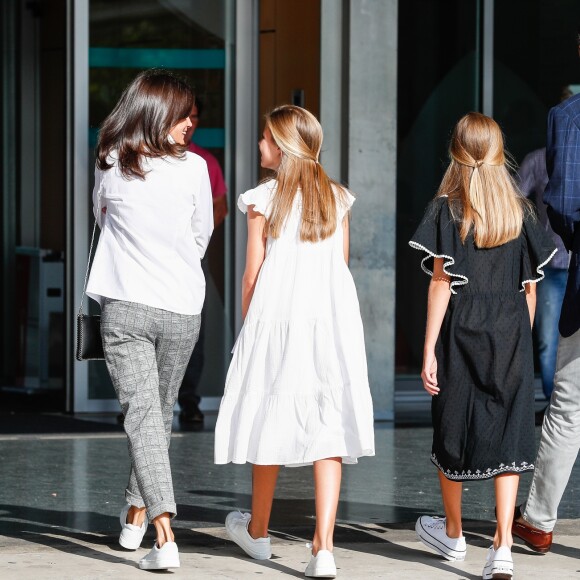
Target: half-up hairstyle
482	195
139	125
298	134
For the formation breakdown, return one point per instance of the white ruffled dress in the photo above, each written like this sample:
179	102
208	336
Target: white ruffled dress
297	388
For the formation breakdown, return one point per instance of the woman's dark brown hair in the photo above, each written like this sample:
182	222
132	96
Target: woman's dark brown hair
139	124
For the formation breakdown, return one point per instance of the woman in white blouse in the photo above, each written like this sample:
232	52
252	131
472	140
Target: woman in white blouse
153	203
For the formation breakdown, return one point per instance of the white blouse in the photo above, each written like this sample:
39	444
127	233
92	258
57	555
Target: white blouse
153	235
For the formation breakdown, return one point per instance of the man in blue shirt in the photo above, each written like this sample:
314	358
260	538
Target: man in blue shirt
535	520
550	293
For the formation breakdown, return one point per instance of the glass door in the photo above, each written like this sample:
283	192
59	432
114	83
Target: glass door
194	39
33	174
440	79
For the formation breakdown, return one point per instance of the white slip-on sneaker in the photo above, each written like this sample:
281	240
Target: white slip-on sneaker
237	530
432	532
321	566
131	536
161	558
499	564
486	575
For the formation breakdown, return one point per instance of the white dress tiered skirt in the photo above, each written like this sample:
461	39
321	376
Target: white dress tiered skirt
297	388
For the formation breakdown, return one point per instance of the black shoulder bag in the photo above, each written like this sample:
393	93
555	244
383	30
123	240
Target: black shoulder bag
89	341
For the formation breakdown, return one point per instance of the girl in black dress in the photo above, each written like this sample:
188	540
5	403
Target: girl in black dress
485	251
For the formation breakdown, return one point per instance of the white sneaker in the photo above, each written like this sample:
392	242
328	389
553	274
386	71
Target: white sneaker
431	531
499	564
237	529
161	558
321	566
131	536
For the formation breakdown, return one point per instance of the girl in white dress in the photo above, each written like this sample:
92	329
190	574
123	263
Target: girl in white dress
297	390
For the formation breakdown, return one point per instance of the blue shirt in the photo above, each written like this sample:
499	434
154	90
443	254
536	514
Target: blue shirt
562	196
533	180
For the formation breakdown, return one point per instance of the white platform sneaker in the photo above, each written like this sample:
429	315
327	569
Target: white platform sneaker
161	558
499	564
237	530
432	532
131	536
321	566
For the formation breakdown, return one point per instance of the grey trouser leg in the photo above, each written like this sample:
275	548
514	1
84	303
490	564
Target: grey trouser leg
560	439
188	393
147	350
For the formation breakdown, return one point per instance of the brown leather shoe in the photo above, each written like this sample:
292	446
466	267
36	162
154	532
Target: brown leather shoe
534	539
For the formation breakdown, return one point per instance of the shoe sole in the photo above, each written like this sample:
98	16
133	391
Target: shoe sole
502	572
153	565
498	575
248	551
534	548
429	541
322	574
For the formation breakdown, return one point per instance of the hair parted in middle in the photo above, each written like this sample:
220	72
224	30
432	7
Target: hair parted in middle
298	134
139	125
482	195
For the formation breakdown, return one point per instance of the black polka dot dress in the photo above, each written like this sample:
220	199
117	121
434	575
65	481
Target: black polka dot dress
483	417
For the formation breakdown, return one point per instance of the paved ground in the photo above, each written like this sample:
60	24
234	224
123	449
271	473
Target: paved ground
362	552
60	495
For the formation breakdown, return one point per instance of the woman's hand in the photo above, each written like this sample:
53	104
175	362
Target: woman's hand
429	374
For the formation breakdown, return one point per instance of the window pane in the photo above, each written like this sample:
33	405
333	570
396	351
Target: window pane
534	61
188	39
438	80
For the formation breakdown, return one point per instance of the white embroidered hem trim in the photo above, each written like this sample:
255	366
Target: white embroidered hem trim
449	261
539	271
478	474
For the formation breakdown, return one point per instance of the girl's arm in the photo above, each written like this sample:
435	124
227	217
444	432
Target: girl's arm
255	254
439	294
531	300
346	237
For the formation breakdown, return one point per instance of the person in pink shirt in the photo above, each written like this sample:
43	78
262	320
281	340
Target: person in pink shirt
188	398
216	177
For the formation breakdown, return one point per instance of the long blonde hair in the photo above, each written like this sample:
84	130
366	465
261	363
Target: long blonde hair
483	196
298	134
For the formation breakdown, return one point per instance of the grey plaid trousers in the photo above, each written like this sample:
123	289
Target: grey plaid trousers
147	350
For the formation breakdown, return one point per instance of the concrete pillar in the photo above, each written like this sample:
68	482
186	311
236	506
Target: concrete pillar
372	137
247	127
332	100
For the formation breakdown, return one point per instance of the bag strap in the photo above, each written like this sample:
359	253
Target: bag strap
91	250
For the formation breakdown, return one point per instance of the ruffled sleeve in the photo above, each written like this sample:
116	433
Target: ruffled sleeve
258	197
438	237
537	250
344	200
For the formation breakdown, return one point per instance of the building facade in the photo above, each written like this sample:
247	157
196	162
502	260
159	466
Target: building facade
387	79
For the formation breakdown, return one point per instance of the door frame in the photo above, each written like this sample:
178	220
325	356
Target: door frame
241	171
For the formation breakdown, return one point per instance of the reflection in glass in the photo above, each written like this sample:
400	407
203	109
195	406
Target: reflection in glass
437	85
189	39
